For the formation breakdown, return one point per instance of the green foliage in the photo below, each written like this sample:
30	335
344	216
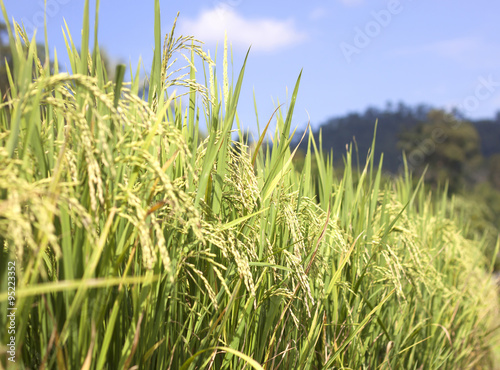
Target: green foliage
139	245
446	146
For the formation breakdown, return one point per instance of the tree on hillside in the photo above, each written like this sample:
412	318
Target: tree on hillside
450	147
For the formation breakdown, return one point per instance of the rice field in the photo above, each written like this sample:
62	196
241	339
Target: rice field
141	242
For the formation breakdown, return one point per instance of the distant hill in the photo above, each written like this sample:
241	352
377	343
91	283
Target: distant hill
392	121
489	131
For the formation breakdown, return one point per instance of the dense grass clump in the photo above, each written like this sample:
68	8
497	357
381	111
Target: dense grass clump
141	244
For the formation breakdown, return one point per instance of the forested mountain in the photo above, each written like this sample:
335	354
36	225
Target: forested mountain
489	132
396	122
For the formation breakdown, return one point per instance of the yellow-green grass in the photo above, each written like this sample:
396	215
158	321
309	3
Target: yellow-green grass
141	244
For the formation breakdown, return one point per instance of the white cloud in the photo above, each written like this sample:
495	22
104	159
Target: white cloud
263	34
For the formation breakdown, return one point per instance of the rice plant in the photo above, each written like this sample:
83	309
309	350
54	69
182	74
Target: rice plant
139	242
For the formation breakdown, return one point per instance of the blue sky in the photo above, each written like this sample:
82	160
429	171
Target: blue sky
353	53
